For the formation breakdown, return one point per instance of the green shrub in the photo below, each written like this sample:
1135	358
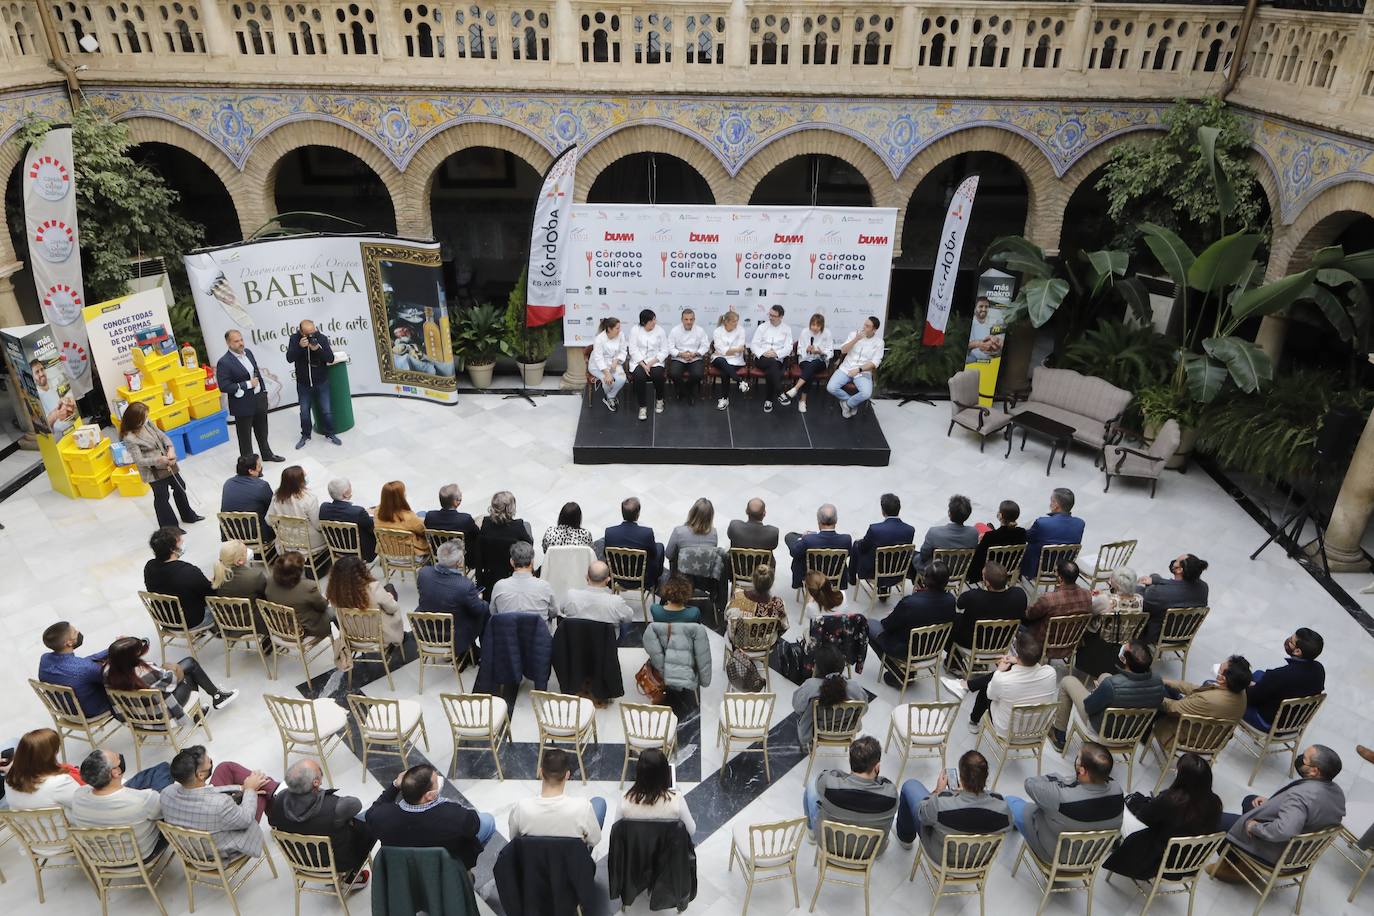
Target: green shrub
1130	356
908	366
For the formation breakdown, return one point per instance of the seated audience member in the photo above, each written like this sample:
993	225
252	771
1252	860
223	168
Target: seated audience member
827	517
499	531
394	512
861	797
126	669
555	813
821	598
421	818
444	589
1135	686
521	591
36	778
306	808
597	601
1301	676
1059	527
340	508
927	606
1066	599
569	531
1265	825
950	810
751	533
293	499
756	601
1091	800
246	491
1184	588
954	534
1220	698
998	599
698	531
168	574
83	674
106	800
632	535
1006	534
890	532
826	687
682	655
672	606
1020	679
352	585
448	518
286	584
233	576
200	798
652	797
1189	807
1097	653
1120	597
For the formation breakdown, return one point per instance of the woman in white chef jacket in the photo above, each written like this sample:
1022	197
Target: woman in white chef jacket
607	362
728	346
814	349
648	362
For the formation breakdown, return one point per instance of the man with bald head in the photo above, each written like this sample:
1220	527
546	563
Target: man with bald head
304	807
597	601
239	377
752	533
309	352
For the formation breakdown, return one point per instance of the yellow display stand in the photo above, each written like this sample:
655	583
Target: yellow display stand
128	481
88	470
58	475
187	384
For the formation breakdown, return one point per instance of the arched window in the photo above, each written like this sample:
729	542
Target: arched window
1108	53
937	50
1042	53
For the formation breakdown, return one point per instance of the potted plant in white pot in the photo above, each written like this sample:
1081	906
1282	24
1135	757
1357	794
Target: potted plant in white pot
480	335
530	347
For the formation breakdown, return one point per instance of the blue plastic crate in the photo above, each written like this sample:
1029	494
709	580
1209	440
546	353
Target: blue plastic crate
206	433
178	437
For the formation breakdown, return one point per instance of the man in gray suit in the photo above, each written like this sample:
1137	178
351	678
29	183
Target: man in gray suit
952	534
1265	825
1091	801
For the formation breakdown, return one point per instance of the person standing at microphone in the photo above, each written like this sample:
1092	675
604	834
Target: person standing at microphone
310	353
241	381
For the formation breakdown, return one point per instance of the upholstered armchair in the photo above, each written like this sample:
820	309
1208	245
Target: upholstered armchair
965	410
1122	461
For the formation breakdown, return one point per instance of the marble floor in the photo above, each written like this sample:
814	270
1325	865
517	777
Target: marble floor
81	560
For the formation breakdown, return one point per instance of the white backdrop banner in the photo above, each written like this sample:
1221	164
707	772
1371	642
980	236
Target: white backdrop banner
55	249
113	328
620	259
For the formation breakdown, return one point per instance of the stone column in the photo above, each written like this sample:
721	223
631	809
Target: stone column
1354	505
1273	330
576	374
10	314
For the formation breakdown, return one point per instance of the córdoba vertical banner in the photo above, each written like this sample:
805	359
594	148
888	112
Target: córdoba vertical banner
947	262
544	296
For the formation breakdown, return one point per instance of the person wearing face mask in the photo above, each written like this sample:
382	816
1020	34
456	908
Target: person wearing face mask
1301	675
108	799
1134	686
1183	588
168	574
1223	697
84	675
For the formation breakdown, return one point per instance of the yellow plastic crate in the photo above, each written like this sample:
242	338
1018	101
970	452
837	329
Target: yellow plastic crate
89	462
154	364
127	481
93	486
150	394
187	383
162	375
171	415
204	405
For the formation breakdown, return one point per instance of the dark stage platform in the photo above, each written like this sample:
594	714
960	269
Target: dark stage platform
744	434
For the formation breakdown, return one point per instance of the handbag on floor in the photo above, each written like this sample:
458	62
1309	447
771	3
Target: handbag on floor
650	683
741	672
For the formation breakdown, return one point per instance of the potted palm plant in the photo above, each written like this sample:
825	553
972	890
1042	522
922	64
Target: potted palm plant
530	347
480	335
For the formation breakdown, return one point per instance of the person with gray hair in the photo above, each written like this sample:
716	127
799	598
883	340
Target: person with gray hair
521	591
303	807
500	529
827	517
597	601
340	508
448	518
106	800
444	589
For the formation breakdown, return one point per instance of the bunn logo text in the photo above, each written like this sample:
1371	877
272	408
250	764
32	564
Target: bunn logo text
620	236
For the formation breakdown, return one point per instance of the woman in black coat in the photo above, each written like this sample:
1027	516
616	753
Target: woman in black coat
500	529
1189	807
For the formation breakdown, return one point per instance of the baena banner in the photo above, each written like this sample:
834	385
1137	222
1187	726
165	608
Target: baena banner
379	299
835	261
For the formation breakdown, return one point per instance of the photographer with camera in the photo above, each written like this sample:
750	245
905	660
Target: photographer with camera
309	352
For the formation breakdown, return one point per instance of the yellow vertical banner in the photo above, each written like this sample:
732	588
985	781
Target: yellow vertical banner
988	333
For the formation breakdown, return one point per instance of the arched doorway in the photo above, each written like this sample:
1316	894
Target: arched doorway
650	178
324	179
1311	341
22	279
204	199
1087	227
813	179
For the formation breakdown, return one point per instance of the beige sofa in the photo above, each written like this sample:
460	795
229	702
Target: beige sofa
1090	405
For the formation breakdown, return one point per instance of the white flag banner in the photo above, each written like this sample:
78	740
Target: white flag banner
55	249
947	261
548	241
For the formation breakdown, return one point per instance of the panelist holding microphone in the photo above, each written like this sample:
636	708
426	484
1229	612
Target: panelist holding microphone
772	344
241	380
310	353
863	351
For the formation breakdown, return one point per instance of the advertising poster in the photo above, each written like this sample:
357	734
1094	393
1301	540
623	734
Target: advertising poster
620	259
117	325
947	261
35	356
988	333
373	296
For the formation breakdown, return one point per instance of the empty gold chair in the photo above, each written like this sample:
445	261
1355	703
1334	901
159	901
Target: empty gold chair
43	832
434	642
629	573
646	727
202	863
746	717
112	860
770	848
476	717
1110	558
564	719
237	627
846	853
834	727
313	727
148	719
924	645
1078	855
1285	734
966	862
68	720
1024	739
921	730
387	723
1363	859
170	620
289	637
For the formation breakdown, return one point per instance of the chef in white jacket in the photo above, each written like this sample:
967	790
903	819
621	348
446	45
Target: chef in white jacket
771	345
814	349
863	352
728	346
648	361
687	346
607	362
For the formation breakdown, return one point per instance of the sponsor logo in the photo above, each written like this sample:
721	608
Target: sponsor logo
780	238
827	220
665	217
704	237
715	219
50	178
75	359
55	240
570	290
732	292
872	239
620	236
63	304
746	236
663	235
875	220
849	219
763	293
579	233
832	237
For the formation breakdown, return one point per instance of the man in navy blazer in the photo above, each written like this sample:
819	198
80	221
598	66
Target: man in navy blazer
340	508
239	377
444	589
629	533
890	532
1301	675
246	491
827	537
448	518
1059	527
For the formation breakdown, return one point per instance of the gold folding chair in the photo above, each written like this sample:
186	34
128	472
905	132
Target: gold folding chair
771	848
743	561
396	551
1027	729
892	562
1063	635
1362	859
43	832
314	869
1120	734
237	627
957	560
629	572
1177	632
314	727
1110	558
1285	734
386	723
438	538
289	637
755	637
1051	555
343	540
293	533
924	645
146	716
361	629
1180	868
921	730
746	717
68	720
113	862
1123	626
434	642
1077	857
646	727
966	862
563	718
1202	735
477	717
1009	557
991	640
1292	869
246	527
170	620
831	562
202	863
835	727
848	851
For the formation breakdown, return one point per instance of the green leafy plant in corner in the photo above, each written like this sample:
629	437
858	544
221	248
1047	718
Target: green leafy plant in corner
1130	356
480	334
526	345
186	324
909	366
1161	402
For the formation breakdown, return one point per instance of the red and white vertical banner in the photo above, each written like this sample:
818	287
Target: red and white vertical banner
947	262
548	241
55	251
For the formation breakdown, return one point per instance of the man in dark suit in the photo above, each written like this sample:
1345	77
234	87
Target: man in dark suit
240	379
954	534
309	351
629	533
890	532
926	607
1300	676
340	508
448	518
246	491
444	589
421	818
1059	527
827	537
752	533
